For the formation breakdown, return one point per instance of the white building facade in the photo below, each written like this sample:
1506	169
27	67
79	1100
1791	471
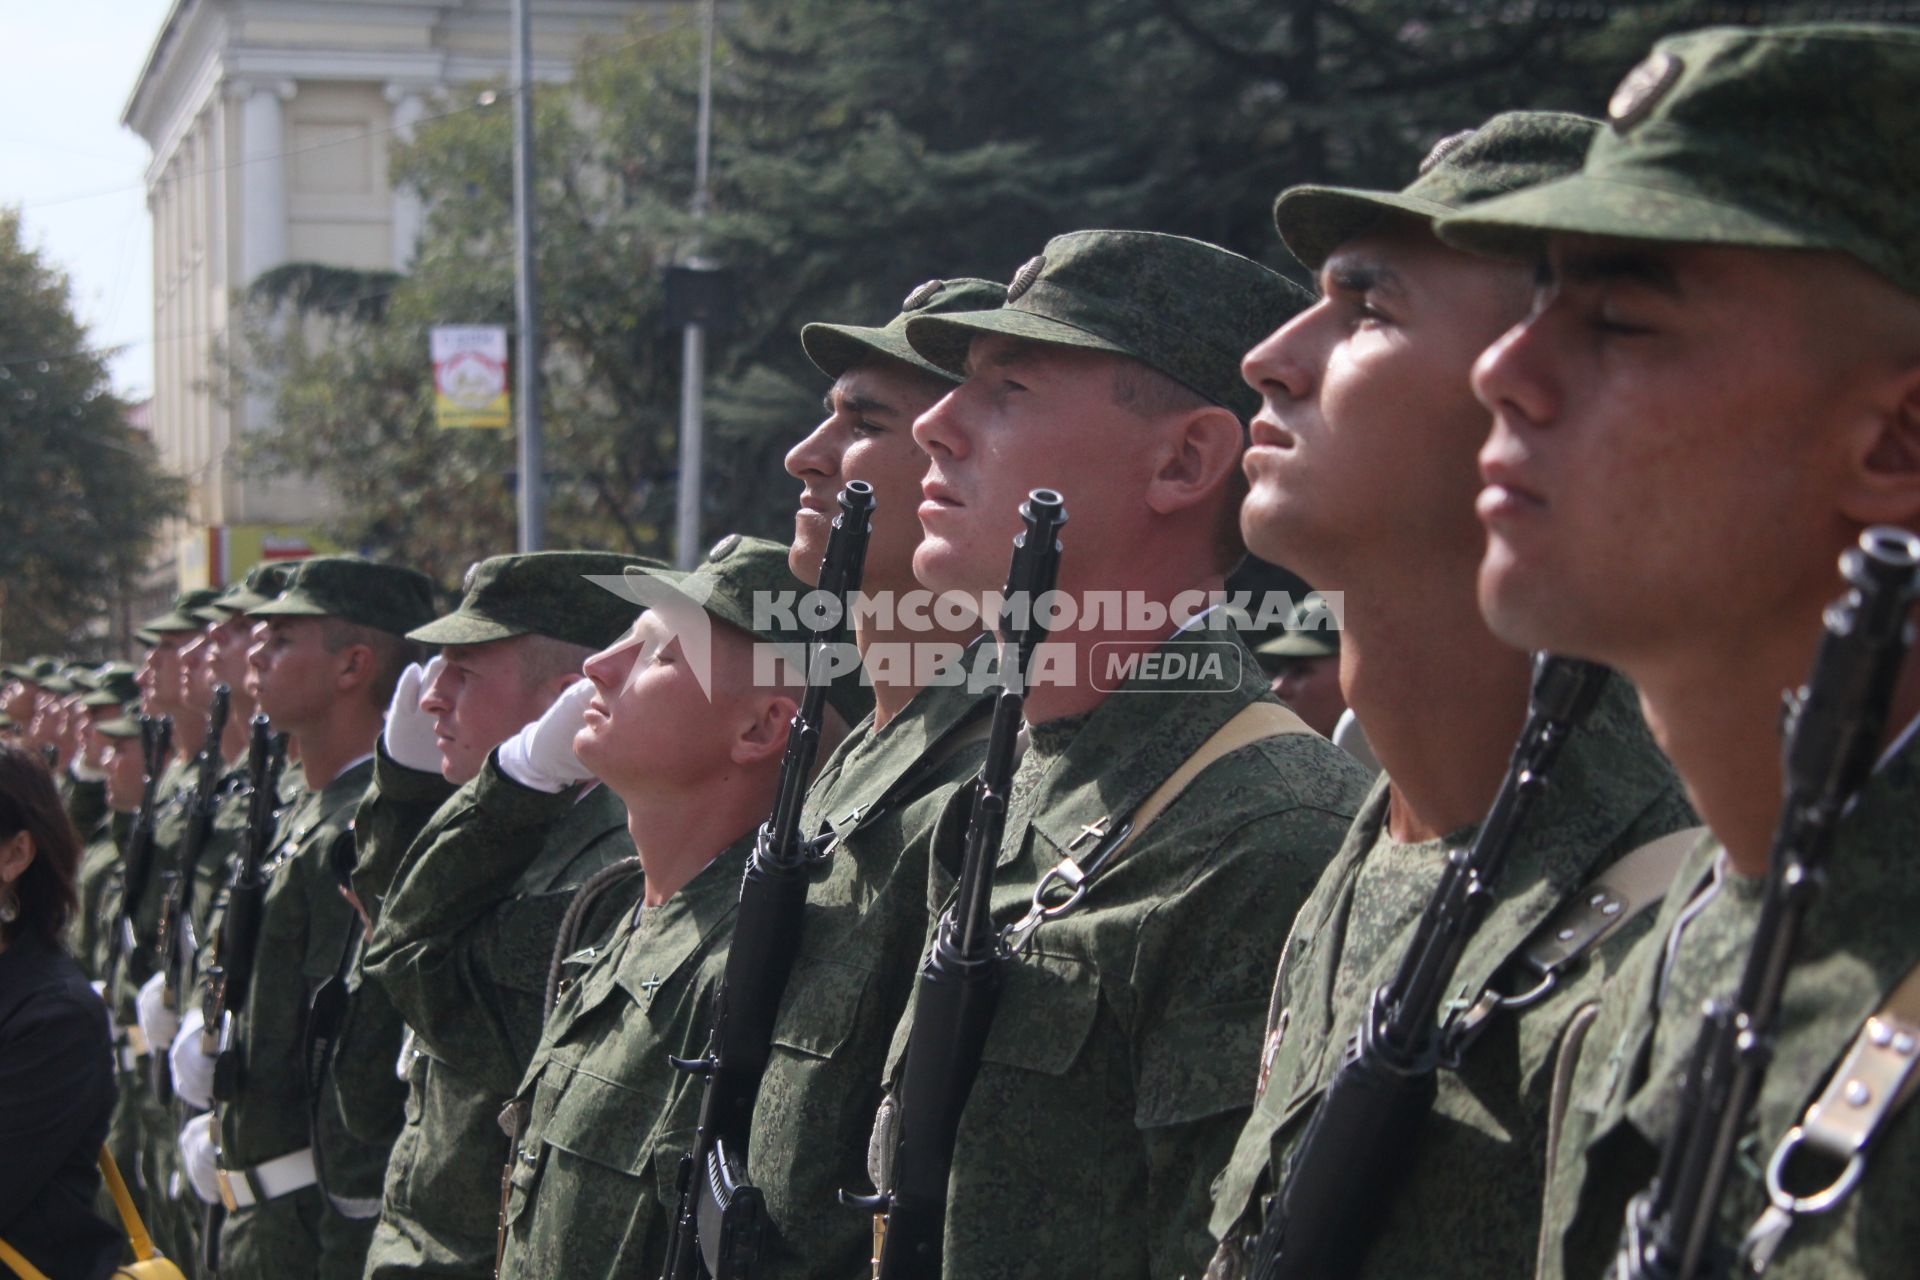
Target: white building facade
270	123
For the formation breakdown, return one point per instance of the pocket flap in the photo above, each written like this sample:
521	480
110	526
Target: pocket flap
1195	1064
818	1023
590	1118
1045	1014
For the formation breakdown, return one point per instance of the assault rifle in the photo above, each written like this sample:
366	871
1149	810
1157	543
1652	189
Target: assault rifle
175	944
1834	727
1341	1178
156	744
232	967
718	1224
960	982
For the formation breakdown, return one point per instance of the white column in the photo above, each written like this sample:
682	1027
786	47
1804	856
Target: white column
409	213
264	211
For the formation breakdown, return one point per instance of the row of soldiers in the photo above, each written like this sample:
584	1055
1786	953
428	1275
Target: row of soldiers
500	895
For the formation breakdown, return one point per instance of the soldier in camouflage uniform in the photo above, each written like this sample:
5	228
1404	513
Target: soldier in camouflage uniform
297	1170
876	799
1109	1093
1718	387
602	1118
462	941
1362	471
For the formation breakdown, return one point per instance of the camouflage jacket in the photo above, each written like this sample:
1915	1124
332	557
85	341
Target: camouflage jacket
1858	943
865	923
595	1167
462	945
1477	1164
1114	1077
305	928
85	798
97	886
361	1107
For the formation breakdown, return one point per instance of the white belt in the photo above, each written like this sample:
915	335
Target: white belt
244	1188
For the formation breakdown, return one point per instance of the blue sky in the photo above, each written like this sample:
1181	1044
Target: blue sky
73	171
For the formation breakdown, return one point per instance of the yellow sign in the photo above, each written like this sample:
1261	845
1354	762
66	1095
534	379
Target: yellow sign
470	375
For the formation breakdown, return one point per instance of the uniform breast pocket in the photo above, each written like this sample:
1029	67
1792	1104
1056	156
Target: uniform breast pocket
1046	1014
821	1004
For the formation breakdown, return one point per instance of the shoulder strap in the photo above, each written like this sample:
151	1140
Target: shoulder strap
129	1214
18	1264
1252	723
1630	886
1878	1076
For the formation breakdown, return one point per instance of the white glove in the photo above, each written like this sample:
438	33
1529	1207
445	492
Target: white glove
540	755
408	736
157	1022
197	1157
192	1068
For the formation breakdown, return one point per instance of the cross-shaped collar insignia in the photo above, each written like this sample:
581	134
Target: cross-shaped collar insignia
1095	830
652	984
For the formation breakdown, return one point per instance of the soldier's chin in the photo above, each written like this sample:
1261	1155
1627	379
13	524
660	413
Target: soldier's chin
1515	598
809	545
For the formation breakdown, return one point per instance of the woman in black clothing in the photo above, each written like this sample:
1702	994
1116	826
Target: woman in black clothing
56	1069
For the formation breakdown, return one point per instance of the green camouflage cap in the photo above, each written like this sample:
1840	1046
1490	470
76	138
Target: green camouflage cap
737	571
59	684
262	585
1312	631
146	637
1183	307
1789	137
836	348
180	618
125	725
545	593
113	684
1512	151
385	597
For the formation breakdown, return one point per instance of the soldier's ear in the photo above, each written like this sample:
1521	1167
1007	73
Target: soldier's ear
762	735
1200	452
1884	487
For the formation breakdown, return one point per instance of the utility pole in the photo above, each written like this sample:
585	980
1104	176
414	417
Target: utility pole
533	495
693	343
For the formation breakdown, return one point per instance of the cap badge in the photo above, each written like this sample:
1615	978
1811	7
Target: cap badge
723	548
1642	90
1444	148
922	295
1023	278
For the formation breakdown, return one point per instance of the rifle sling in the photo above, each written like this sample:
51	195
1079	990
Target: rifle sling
1878	1076
1629	887
1253	723
974	725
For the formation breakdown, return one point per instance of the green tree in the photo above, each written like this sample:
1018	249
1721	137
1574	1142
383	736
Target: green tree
860	147
84	492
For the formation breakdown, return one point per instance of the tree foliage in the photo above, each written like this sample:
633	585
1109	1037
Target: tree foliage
861	146
84	493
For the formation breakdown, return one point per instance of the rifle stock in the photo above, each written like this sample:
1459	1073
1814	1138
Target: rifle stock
959	986
1341	1177
720	1215
174	943
1834	729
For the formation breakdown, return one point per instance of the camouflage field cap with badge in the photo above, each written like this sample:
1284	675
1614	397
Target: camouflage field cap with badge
113	685
836	348
264	582
385	597
183	618
1184	308
738	572
1750	137
546	593
1511	152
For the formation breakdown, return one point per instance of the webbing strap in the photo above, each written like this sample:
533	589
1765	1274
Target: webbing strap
1252	723
129	1214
